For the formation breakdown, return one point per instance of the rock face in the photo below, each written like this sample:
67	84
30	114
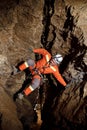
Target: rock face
58	26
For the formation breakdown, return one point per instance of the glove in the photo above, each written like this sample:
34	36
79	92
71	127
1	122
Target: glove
18	95
15	71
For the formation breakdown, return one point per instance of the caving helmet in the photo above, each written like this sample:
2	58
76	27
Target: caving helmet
58	58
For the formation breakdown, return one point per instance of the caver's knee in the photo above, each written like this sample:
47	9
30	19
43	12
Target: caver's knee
36	81
31	62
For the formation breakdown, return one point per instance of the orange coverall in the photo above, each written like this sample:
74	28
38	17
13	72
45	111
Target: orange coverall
42	66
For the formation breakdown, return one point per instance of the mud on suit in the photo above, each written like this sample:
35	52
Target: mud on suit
40	67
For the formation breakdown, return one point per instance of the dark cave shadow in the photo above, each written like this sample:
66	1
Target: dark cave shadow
69	24
82	86
72	55
1	115
52	92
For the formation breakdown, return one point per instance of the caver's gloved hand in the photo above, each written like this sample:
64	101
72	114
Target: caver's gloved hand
18	95
21	96
15	70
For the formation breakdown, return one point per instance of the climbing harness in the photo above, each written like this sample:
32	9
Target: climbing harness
38	72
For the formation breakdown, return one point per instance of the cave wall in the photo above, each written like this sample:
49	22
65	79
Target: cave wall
20	29
28	24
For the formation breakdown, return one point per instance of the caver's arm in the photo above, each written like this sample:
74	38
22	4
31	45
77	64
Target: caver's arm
59	77
43	52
